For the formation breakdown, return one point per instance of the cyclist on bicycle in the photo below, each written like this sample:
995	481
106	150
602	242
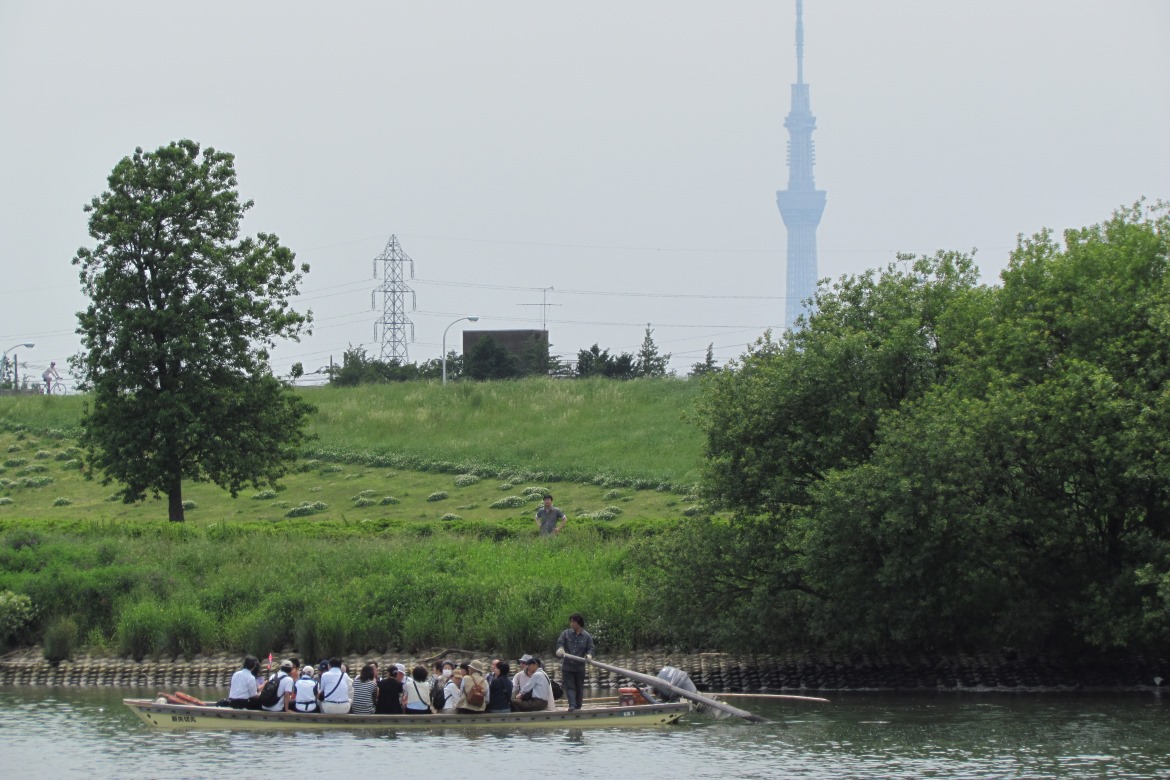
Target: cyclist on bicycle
49	375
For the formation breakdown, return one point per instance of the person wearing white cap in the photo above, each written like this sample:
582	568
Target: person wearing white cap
305	692
284	688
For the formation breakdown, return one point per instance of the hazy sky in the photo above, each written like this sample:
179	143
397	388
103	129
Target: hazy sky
626	154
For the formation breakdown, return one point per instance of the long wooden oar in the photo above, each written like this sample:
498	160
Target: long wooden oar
663	685
788	696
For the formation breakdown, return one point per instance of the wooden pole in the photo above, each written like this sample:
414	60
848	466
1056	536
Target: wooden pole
663	685
788	696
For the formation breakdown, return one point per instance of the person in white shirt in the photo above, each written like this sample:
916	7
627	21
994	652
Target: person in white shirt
243	694
536	694
451	691
335	687
284	691
305	692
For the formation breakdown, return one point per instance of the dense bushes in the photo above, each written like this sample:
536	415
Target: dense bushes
933	464
144	590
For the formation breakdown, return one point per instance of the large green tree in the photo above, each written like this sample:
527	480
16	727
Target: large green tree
182	314
934	464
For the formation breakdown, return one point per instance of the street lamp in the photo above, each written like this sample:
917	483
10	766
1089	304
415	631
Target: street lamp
472	318
4	360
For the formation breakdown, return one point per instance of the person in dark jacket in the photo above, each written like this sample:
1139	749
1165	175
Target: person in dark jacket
574	640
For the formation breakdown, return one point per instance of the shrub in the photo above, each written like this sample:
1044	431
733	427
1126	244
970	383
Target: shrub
389	500
535	490
612	494
185	630
361	495
71	465
5	500
139	626
62	501
15	463
43	455
264	495
614	510
466	480
306	509
68	454
308	465
364	502
36	468
504	486
511	502
438	495
60	640
692	511
16	612
14	448
332	468
35	482
189	504
450	516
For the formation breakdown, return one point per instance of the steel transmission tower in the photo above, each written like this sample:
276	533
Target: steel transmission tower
390	328
802	204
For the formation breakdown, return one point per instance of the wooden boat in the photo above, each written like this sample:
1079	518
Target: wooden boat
162	714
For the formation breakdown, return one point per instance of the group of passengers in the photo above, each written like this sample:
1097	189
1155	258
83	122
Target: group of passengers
466	688
450	688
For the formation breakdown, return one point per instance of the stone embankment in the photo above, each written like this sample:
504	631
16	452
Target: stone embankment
710	671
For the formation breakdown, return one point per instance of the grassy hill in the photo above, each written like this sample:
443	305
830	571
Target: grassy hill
384	452
378	559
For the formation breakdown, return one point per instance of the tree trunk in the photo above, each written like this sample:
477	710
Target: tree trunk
175	500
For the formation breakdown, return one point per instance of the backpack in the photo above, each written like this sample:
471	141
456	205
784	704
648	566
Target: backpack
438	697
270	693
475	694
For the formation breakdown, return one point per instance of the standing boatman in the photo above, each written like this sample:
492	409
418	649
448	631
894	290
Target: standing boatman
574	640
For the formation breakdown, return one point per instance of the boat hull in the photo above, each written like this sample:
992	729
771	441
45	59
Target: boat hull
183	716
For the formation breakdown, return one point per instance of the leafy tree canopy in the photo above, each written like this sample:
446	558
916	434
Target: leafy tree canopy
931	463
175	339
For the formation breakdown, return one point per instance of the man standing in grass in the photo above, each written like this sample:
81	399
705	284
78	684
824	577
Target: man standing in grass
549	519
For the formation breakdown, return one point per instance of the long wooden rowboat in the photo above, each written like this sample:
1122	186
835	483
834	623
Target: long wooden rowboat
187	716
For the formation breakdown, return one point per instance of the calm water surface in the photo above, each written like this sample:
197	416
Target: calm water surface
64	733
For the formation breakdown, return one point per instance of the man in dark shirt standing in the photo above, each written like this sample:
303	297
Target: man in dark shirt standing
549	519
574	640
390	691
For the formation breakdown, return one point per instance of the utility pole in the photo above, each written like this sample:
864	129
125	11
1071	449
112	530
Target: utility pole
544	304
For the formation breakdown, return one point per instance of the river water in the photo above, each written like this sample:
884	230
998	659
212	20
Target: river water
69	732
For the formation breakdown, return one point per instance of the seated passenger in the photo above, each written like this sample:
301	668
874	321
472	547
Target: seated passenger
418	692
536	693
244	693
305	691
473	691
284	689
451	691
335	689
365	691
500	689
391	691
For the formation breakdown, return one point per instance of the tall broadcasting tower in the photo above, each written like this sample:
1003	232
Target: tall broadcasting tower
802	204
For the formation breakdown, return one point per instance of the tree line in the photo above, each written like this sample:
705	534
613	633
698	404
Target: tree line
932	463
488	359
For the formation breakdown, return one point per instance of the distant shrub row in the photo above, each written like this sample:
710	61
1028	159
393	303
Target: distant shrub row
481	469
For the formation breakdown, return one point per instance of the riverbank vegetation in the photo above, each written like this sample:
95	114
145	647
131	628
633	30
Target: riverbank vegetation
940	464
931	464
